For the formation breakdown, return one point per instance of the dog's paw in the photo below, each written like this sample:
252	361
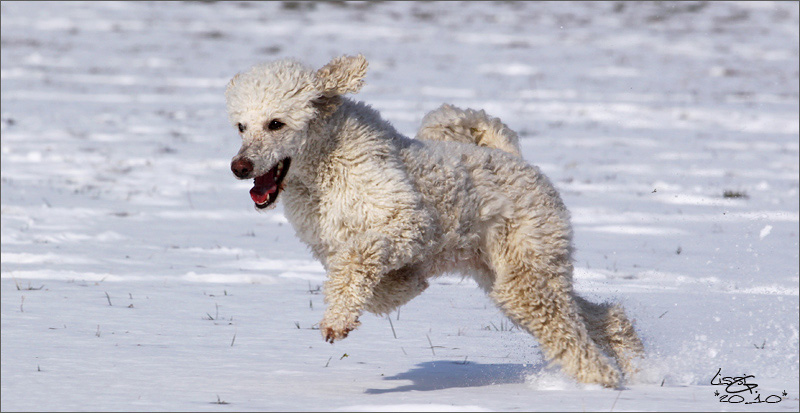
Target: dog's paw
337	329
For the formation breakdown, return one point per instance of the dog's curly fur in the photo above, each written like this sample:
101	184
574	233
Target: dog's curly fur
383	213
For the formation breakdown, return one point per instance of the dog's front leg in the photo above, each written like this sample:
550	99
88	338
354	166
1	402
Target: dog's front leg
353	272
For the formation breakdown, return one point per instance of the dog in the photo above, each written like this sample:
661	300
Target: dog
383	213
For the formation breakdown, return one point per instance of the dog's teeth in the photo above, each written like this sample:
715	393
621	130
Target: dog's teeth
280	166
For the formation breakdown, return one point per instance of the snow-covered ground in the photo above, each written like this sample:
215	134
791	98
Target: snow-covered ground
136	274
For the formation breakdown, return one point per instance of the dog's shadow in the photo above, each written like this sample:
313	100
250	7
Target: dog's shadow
438	375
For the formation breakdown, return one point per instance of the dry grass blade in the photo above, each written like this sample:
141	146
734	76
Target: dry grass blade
219	401
619	393
389	317
429	342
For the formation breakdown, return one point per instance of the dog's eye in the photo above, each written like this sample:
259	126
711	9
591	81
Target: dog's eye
275	124
242	128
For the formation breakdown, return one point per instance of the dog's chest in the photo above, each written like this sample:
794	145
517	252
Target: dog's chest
302	210
324	215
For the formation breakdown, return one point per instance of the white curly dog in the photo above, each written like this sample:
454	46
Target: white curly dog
383	213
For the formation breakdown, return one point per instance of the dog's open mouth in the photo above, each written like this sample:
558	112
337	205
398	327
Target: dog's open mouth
267	187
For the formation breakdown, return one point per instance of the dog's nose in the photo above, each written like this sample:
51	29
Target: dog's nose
242	167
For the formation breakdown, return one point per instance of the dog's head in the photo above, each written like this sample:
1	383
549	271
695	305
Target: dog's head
272	106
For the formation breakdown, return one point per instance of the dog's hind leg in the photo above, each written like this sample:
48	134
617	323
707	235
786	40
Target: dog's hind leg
536	293
395	289
610	328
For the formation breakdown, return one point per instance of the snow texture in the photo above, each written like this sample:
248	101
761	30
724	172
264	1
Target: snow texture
136	274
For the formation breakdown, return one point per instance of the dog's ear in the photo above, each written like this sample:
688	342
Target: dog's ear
342	75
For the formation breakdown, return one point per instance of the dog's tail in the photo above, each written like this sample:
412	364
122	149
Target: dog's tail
449	123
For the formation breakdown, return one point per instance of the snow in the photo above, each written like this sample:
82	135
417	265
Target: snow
136	274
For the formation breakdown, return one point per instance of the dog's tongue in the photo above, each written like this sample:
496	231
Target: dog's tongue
264	185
